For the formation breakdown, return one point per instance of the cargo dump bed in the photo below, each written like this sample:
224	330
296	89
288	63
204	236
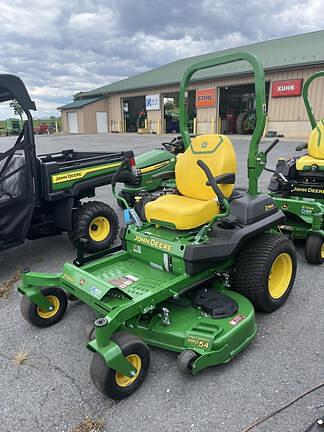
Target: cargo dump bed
70	172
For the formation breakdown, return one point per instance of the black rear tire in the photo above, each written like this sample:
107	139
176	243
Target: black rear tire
108	381
98	223
264	271
239	123
314	249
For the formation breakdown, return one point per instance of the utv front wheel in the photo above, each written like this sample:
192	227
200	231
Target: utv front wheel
110	382
42	318
264	271
314	249
98	223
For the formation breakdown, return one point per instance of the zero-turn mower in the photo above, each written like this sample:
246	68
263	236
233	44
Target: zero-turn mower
149	167
297	187
189	273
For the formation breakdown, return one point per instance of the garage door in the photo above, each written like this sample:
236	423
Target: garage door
73	122
102	125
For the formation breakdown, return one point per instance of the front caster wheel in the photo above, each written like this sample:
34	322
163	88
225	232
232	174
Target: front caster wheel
314	249
185	361
89	332
42	318
110	382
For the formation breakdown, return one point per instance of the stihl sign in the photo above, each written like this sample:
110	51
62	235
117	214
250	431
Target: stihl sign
287	88
205	98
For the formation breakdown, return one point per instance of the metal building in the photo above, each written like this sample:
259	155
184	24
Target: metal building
217	97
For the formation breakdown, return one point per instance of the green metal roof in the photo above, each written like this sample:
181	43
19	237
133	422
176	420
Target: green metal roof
282	53
79	103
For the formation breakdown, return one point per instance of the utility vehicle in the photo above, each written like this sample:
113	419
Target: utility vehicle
42	195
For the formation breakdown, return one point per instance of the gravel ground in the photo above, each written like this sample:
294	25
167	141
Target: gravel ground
52	389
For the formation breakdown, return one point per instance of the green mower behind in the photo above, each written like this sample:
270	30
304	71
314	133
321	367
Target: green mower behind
297	188
191	269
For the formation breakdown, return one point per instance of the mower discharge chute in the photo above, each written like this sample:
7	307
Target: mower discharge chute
189	272
297	187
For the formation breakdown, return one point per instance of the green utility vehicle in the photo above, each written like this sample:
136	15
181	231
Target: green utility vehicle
10	127
42	195
297	187
189	268
151	168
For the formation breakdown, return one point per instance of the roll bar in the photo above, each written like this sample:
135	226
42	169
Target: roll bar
255	160
307	102
12	87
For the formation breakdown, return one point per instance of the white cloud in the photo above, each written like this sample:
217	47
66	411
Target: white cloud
62	47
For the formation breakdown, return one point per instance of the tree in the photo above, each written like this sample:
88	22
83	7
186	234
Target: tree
17	109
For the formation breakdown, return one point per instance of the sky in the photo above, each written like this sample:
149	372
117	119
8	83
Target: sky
62	47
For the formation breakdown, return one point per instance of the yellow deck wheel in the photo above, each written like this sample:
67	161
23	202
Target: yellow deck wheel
50	314
125	381
322	251
280	275
99	229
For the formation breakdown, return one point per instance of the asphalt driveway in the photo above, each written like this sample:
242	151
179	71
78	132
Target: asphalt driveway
52	391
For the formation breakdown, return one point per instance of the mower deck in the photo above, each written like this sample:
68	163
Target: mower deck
180	326
305	215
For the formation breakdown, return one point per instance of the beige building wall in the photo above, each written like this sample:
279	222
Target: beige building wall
89	120
65	123
286	115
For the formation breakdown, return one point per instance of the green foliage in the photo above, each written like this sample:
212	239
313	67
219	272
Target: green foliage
17	109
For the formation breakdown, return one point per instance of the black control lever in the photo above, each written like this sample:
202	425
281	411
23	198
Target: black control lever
301	147
271	146
212	181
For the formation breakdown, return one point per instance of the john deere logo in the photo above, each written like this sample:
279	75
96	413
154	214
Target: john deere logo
204	144
82	282
285	206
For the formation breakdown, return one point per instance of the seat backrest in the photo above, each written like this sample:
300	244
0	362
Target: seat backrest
14	184
315	146
218	153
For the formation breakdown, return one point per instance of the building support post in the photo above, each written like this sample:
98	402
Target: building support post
195	126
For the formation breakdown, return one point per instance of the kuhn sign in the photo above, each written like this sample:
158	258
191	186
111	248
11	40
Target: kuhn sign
287	88
205	98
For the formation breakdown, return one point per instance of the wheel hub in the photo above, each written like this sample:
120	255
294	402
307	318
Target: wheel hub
52	310
125	381
280	275
99	229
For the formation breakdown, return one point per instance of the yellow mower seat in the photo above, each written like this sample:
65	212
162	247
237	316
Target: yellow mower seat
177	211
197	204
315	150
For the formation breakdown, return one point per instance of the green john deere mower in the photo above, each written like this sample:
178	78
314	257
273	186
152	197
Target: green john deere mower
297	187
153	168
190	271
